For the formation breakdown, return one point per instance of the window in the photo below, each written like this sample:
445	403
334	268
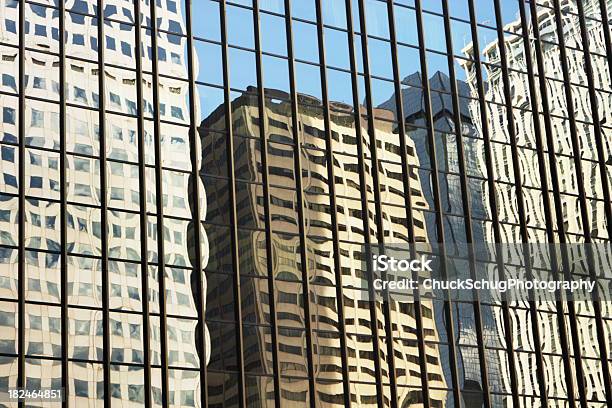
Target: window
131	107
80	95
81	388
10	26
176	112
161	54
8	154
39	83
117	193
80	6
171	6
10	180
40	30
110	11
115	99
5	215
82	190
9	80
35	159
36	182
110	43
78	39
175	27
127	13
115	390
8	115
126	49
37	119
117	133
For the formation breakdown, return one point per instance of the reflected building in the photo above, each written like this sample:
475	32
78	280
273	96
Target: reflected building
326	350
285	242
503	165
449	184
85	265
523	116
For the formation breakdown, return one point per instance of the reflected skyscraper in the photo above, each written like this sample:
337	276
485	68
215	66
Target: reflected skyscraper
569	127
443	113
285	264
187	189
94	258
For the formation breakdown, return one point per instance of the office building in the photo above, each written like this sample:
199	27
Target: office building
188	189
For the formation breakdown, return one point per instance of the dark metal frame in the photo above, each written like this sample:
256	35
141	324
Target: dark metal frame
448	315
378	217
467	210
297	153
365	210
401	130
195	205
142	181
537	89
263	135
232	202
63	203
159	207
518	177
331	180
103	204
557	197
21	274
492	196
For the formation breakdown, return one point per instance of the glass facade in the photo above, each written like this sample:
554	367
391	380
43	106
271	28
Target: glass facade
187	186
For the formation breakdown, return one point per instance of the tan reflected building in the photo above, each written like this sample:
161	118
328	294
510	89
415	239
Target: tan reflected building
286	252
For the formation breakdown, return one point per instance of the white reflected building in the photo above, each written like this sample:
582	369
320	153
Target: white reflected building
503	167
84	195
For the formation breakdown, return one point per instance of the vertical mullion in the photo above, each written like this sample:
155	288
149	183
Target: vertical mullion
603	11
581	190
63	201
295	126
437	201
159	204
601	335
588	66
232	204
266	199
551	147
142	180
493	198
546	199
195	193
21	292
399	103
103	204
364	198
524	233
331	177
377	205
467	210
